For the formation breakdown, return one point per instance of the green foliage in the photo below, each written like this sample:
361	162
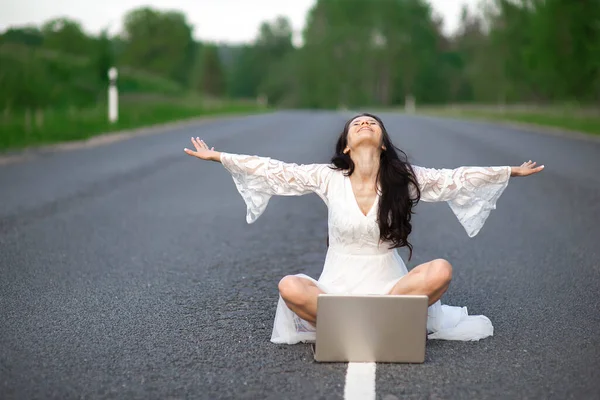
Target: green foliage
104	57
355	53
29	36
245	74
33	78
36	78
135	81
159	42
54	79
65	35
375	56
213	78
362	53
263	68
272	47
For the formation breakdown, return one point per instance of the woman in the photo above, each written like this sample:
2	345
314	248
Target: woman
370	190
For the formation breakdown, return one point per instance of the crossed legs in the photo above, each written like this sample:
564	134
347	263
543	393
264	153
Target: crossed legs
431	279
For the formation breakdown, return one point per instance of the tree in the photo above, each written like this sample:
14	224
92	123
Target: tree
213	77
65	35
274	40
377	55
28	36
104	56
246	73
159	42
272	45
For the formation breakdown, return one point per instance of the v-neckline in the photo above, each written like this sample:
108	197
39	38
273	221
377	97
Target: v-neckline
356	201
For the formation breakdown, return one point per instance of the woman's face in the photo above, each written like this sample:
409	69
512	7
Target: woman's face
364	130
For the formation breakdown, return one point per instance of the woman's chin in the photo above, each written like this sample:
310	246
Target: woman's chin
367	143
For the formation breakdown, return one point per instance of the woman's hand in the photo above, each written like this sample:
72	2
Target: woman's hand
202	151
527	168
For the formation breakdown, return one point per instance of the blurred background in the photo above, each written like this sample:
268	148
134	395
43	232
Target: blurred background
535	61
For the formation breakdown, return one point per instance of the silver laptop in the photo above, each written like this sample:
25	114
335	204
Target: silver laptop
371	328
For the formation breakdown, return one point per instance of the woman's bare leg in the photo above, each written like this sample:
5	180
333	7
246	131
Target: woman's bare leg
300	295
431	279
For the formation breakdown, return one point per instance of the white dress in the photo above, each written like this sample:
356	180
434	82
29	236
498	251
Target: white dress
357	262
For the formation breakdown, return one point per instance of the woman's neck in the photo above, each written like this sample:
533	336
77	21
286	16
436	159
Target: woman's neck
366	166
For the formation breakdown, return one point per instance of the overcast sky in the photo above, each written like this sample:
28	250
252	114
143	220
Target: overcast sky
213	20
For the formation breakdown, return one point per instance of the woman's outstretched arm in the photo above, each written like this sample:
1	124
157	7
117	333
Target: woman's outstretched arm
471	192
448	184
259	178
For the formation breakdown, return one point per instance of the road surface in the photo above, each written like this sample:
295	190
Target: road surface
128	270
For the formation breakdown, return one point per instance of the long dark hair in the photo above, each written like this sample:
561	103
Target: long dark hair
395	175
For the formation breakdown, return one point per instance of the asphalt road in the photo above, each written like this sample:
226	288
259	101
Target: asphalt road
128	270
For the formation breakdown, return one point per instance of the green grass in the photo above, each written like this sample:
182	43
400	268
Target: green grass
569	119
22	129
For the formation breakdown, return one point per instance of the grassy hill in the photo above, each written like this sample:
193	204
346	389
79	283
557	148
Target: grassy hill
48	96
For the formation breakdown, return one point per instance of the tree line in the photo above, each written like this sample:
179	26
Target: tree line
354	53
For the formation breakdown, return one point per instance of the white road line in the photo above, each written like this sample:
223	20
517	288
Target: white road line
360	382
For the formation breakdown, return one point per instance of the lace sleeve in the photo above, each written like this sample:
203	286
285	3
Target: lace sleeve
471	192
259	178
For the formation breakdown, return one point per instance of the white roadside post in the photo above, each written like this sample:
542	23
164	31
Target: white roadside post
113	96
